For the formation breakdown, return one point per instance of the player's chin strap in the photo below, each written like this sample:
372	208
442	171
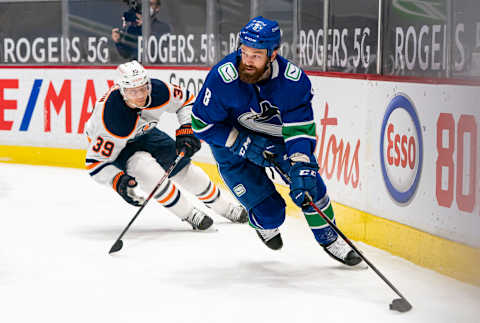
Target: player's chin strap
149	101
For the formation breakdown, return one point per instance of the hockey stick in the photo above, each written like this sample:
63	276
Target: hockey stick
119	243
399	304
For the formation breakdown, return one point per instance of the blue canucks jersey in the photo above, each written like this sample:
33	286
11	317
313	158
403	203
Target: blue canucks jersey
278	107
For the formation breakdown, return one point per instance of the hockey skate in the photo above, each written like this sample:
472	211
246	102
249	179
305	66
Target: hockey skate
341	251
271	238
199	220
236	214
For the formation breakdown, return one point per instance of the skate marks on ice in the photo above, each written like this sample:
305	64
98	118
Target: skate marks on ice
265	274
139	236
55	242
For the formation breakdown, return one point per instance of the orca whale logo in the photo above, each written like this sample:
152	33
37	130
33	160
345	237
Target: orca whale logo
261	121
267	112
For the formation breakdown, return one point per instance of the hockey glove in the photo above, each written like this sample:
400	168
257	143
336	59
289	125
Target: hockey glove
251	146
186	140
303	177
125	186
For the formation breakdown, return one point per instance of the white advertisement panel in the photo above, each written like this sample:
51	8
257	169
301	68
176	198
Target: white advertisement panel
407	152
403	151
50	107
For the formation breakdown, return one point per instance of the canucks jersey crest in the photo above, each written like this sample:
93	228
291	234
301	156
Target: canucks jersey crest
267	121
228	72
292	72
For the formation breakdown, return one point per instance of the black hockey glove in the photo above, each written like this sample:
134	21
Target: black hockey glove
186	140
125	186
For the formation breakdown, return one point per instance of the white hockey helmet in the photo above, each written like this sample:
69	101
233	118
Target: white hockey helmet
133	74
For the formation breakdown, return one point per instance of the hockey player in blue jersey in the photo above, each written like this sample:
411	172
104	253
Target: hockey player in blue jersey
127	149
255	100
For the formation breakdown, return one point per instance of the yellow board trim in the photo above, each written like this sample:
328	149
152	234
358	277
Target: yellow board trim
447	257
46	156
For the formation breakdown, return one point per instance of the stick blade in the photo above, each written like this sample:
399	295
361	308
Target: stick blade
116	246
401	305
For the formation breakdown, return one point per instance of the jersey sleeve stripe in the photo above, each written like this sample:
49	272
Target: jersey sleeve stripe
199	125
115	180
93	165
297	124
300	136
90	160
98	169
190	99
299	129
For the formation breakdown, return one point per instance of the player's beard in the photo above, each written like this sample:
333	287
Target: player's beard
249	77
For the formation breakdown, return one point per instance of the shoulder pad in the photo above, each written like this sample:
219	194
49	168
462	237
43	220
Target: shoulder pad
292	72
118	119
228	72
160	93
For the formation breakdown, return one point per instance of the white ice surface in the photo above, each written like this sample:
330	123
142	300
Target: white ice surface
57	225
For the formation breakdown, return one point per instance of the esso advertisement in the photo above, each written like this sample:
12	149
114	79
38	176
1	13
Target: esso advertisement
401	149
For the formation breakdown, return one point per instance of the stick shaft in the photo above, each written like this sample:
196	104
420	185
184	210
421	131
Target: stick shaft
336	229
164	177
340	233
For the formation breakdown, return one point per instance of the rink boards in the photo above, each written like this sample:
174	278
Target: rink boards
400	158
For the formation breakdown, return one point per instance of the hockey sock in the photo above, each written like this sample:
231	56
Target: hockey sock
213	199
148	172
322	232
173	199
198	183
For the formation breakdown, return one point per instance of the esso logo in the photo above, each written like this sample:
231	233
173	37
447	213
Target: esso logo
401	148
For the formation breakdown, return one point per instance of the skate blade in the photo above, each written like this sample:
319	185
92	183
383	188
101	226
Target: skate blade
361	266
209	230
